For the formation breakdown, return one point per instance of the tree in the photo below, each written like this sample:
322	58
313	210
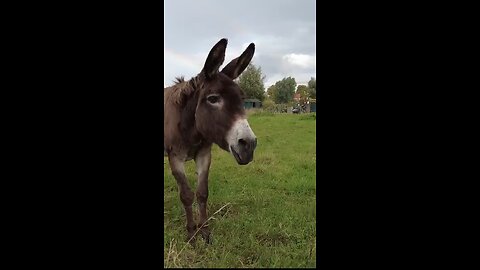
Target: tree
284	90
304	92
271	91
251	82
312	87
268	104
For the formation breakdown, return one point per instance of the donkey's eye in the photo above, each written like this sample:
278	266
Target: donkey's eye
213	99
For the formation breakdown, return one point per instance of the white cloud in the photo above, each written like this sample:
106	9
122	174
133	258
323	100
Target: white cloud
300	60
300	78
284	36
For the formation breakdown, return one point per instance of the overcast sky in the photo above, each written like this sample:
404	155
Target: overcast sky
283	32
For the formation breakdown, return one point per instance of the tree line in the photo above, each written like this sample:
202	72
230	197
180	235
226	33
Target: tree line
282	92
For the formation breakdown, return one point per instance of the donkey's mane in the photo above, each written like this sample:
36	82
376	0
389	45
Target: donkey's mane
182	88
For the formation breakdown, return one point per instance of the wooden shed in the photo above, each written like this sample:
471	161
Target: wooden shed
252	103
313	105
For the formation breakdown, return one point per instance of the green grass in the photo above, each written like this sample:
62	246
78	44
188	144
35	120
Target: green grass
270	212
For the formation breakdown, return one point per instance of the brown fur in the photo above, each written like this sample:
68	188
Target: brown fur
192	124
182	89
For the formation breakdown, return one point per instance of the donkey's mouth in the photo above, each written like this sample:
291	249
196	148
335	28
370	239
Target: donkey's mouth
237	157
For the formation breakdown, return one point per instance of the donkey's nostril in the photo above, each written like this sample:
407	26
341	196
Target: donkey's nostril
242	142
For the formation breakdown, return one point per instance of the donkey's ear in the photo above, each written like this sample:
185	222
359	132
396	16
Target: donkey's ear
239	64
215	58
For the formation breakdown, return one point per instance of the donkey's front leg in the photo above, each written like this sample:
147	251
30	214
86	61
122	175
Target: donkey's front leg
202	161
186	194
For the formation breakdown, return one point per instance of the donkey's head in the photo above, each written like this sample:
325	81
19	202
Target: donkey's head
220	116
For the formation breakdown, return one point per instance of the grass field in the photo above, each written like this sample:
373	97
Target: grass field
269	211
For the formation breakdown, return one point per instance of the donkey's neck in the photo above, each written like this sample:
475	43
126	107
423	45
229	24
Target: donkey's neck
188	130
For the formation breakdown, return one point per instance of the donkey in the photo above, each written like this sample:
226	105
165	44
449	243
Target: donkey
205	110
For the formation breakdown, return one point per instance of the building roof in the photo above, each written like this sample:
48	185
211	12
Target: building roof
251	100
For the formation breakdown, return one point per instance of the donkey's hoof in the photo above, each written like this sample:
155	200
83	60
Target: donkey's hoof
208	239
207	236
191	239
191	233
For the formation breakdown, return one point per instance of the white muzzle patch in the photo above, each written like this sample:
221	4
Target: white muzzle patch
240	130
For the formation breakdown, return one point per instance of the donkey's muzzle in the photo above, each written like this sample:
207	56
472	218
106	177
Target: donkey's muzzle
243	150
